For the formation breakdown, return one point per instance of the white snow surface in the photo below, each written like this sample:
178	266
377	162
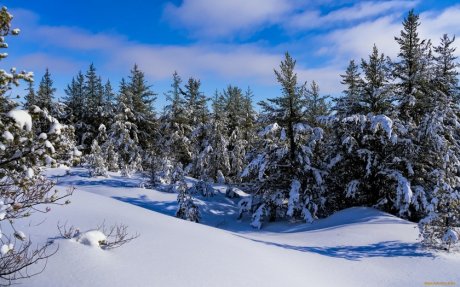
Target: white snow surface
354	247
22	119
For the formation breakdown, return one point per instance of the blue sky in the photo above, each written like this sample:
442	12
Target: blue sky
220	42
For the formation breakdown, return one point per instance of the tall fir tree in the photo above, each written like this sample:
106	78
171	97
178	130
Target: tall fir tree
348	104
287	180
412	70
143	99
45	94
31	97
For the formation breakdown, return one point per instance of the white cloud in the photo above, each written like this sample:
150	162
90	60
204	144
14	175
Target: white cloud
356	42
40	61
310	19
224	18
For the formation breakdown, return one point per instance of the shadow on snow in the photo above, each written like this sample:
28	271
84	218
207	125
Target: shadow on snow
380	249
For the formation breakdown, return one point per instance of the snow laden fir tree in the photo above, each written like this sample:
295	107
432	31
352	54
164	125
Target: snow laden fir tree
287	173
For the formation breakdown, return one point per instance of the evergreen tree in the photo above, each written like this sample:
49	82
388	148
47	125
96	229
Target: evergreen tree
45	93
412	70
31	97
376	91
446	74
349	103
123	135
142	100
316	105
109	104
175	129
97	164
75	102
288	181
438	136
213	155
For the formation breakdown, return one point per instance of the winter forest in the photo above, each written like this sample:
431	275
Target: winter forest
389	144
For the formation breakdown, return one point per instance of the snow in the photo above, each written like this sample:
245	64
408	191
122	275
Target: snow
8	136
6	248
55	128
450	236
383	122
30	172
269	129
293	197
92	238
22	119
354	247
50	146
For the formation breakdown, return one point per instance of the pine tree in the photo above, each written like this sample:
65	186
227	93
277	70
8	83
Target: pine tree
174	128
31	97
197	115
92	117
438	136
45	94
123	135
213	155
316	105
446	74
108	104
412	70
142	108
187	209
349	104
75	102
285	157
375	96
97	164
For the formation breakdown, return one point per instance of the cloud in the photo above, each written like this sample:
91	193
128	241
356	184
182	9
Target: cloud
40	61
435	24
356	42
311	19
210	18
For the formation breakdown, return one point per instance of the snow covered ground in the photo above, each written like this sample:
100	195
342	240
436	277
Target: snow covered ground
355	247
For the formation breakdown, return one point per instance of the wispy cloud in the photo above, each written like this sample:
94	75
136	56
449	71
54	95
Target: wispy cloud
210	18
310	19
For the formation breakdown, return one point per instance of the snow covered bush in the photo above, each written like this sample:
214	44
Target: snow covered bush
187	209
104	237
202	188
96	162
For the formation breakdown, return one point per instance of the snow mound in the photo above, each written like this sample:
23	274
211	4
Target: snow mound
22	119
92	238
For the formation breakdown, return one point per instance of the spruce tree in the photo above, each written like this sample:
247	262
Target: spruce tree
31	97
123	135
438	136
142	100
349	103
45	94
287	181
316	105
412	70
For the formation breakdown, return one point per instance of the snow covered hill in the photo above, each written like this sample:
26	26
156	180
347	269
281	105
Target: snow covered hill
355	247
